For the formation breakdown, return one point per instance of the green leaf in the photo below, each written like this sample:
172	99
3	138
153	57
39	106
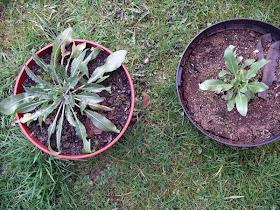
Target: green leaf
241	103
86	147
40	118
92	55
69	117
29	106
77	50
52	95
81	130
101	122
95	88
9	105
32	75
249	94
230	59
69	100
256	87
36	78
98	72
59	129
223	73
46	67
40	62
89	97
51	130
239	59
84	69
65	36
230	104
255	67
83	81
243	75
115	60
243	89
82	134
44	112
62	72
101	79
83	105
37	90
214	85
112	63
247	62
229	95
76	64
72	82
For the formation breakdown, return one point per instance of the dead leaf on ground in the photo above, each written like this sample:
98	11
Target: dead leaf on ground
146	100
264	38
269	69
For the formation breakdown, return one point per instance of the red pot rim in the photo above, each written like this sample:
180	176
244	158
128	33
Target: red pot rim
18	89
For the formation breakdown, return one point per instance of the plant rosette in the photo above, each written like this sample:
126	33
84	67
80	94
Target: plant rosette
228	82
90	66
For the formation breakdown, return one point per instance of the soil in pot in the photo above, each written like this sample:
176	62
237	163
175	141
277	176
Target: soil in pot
119	100
209	110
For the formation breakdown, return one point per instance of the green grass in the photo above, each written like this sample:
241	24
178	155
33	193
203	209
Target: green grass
162	162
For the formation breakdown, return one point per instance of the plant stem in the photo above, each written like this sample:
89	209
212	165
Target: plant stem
68	62
74	91
78	99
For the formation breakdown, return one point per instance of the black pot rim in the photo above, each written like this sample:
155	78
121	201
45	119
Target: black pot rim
261	26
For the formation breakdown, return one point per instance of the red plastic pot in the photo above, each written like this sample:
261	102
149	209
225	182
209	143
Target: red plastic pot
19	89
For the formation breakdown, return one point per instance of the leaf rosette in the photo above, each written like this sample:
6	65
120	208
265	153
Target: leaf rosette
239	81
71	88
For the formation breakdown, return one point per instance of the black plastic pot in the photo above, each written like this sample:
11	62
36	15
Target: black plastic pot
238	23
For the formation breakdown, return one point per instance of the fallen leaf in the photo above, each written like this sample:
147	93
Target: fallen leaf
146	100
234	197
269	69
26	117
264	38
15	122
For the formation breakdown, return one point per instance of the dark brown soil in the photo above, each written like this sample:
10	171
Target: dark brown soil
209	110
119	100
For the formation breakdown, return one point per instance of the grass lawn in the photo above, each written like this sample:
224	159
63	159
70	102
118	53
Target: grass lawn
162	162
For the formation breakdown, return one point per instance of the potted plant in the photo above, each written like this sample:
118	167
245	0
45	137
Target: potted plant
73	98
230	64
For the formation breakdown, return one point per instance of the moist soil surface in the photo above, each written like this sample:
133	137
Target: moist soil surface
209	110
119	100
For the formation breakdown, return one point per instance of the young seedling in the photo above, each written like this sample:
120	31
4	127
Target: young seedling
239	82
70	86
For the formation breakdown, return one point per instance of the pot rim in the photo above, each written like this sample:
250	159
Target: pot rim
233	21
18	89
